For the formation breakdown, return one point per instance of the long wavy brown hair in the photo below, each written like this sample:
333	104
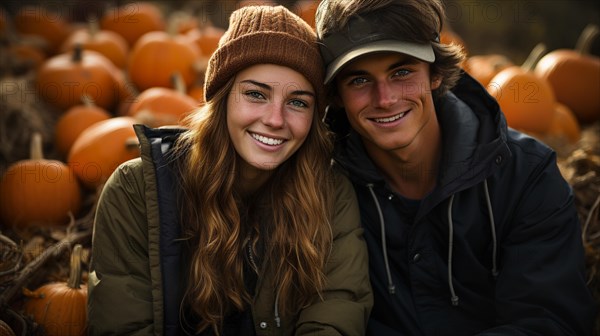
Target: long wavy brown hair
295	208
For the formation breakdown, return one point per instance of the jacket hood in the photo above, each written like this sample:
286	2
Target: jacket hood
473	131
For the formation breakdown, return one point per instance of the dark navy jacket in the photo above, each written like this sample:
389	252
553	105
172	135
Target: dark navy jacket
495	249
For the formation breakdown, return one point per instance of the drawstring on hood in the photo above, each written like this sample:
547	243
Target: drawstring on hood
493	226
277	319
391	286
454	298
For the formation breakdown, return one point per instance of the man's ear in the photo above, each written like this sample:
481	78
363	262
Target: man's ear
436	81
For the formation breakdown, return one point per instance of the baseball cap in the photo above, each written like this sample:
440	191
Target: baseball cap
364	35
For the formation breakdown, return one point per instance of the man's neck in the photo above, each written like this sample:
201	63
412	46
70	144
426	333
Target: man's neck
411	171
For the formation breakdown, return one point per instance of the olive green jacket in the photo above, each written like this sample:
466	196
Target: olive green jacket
126	282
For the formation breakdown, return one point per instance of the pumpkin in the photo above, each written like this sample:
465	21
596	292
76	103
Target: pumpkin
100	148
564	128
63	79
526	100
127	93
28	53
76	120
47	24
484	67
37	191
160	106
157	55
450	37
108	43
132	20
4	22
575	76
183	21
206	38
197	92
61	307
306	9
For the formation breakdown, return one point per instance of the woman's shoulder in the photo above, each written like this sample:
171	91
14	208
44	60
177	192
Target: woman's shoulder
346	212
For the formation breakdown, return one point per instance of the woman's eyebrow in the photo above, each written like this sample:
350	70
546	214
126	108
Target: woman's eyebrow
259	84
270	88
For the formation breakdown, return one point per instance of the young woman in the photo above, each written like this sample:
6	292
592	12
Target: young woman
238	225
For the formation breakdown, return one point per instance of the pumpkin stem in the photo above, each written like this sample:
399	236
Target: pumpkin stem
35	147
32	294
77	53
87	100
173	25
534	56
584	43
75	269
178	83
93	26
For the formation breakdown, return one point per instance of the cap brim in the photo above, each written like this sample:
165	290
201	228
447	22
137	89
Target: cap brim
423	52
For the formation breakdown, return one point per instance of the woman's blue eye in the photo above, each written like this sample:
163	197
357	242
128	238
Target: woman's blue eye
254	94
299	103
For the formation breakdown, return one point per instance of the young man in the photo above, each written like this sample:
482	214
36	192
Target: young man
470	226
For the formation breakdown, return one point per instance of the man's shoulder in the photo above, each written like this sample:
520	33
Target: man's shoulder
526	145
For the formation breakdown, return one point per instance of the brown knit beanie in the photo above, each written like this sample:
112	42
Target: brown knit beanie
266	34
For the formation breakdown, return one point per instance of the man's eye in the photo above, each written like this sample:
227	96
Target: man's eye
358	81
402	72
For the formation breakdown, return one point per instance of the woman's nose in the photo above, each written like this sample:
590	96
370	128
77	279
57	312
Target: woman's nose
274	116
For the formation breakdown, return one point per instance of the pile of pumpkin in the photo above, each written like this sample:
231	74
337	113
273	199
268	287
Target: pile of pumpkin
71	91
551	95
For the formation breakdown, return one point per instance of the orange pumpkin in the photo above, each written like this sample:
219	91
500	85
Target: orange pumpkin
526	99
28	53
127	93
79	117
39	21
157	55
183	21
100	148
159	106
197	92
132	20
450	37
306	9
63	79
110	44
61	307
575	76
484	67
564	127
38	191
206	38
4	22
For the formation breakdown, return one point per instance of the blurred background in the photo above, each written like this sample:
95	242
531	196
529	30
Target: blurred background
509	27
